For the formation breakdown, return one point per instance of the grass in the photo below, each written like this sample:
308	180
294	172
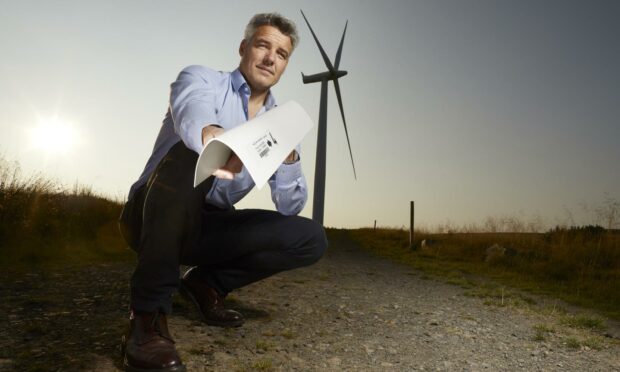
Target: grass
541	332
578	265
44	224
576	343
263	365
263	345
499	296
572	343
583	322
593	343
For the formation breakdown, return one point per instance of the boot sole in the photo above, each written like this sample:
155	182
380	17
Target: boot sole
180	368
187	294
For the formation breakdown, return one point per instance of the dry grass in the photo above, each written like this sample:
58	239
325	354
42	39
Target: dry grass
42	223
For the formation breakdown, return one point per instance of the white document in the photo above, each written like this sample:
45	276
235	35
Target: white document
262	143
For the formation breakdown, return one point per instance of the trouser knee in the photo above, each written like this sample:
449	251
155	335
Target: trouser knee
316	242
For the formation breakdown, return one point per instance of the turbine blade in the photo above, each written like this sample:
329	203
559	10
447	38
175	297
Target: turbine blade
346	132
337	62
328	63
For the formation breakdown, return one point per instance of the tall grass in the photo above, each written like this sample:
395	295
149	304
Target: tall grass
44	222
578	264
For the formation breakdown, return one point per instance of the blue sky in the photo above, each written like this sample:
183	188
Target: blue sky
470	108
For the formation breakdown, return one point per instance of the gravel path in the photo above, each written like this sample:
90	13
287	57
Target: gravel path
351	311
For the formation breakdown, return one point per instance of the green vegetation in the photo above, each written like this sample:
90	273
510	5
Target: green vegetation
593	343
43	224
583	321
263	345
572	343
542	330
498	296
580	265
263	365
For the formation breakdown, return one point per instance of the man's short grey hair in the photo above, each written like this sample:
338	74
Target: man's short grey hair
285	25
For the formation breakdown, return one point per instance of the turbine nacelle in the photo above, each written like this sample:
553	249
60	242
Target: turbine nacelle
327	75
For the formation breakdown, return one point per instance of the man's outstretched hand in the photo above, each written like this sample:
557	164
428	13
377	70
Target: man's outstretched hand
233	165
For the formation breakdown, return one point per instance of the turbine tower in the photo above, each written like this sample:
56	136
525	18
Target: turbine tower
333	74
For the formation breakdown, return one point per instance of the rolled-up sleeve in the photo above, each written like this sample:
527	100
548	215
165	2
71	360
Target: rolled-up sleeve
193	105
289	191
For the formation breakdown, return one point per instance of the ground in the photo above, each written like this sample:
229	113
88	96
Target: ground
351	311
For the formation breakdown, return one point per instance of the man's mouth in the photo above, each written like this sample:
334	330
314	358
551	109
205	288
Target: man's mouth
264	68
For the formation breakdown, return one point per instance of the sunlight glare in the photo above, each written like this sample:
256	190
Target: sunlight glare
54	135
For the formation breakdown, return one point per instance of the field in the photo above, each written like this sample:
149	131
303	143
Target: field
45	225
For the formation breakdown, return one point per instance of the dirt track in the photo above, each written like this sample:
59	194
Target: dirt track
351	311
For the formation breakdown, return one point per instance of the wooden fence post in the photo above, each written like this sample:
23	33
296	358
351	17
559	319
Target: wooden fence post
412	209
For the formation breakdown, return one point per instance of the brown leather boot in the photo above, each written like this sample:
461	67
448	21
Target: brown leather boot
149	346
208	302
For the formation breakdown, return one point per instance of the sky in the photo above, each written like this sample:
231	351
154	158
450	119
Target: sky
470	108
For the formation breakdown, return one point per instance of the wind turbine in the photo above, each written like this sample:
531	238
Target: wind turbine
324	77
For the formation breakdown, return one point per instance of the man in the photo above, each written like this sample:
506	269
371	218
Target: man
168	222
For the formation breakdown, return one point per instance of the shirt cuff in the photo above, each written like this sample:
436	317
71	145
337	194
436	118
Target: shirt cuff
288	173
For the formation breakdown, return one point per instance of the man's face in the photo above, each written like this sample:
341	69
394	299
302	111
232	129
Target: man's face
264	58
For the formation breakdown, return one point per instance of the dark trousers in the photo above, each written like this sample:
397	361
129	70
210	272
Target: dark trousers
168	223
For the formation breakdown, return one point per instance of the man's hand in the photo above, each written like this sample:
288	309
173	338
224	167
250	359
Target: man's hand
291	158
209	132
233	165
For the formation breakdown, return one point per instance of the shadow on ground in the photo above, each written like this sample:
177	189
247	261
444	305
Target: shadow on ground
73	318
63	319
187	310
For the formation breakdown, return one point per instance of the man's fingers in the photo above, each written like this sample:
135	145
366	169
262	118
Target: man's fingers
223	174
232	166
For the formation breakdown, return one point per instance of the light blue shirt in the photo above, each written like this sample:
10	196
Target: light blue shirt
201	96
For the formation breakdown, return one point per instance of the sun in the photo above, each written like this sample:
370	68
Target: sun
54	136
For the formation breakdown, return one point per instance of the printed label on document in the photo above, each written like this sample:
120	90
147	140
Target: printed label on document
263	144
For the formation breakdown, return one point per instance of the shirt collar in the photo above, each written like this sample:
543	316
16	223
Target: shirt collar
241	86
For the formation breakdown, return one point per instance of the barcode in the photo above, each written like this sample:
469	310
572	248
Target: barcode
264	152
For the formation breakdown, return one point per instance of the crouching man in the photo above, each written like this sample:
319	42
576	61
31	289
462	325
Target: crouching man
169	222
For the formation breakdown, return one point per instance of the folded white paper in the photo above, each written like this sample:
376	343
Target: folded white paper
262	143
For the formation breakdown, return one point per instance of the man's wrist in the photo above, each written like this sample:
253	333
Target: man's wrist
210	131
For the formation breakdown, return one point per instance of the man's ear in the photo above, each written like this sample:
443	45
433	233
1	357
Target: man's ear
242	47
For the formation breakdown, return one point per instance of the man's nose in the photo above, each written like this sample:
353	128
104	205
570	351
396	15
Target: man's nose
269	57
